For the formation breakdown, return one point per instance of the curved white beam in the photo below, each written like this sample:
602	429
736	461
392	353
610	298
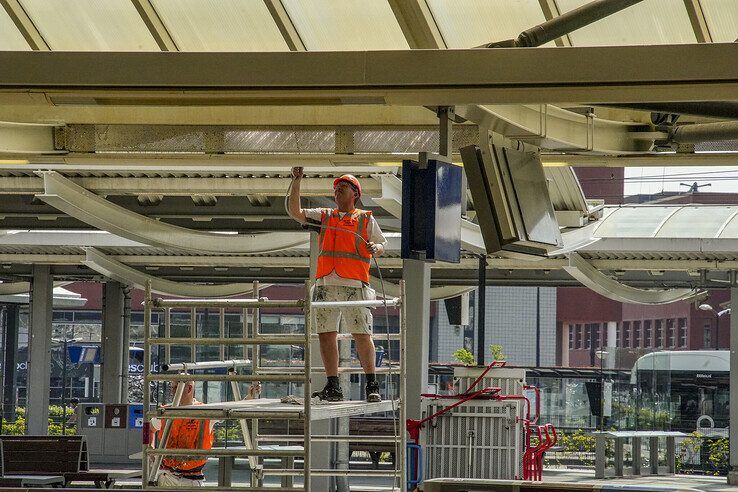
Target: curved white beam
590	277
65	195
551	127
436	293
130	276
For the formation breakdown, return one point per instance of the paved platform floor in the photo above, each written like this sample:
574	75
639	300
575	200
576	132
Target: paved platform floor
667	482
675	483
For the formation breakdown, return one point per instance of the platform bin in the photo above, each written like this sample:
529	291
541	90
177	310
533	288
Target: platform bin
115	446
90	419
135	427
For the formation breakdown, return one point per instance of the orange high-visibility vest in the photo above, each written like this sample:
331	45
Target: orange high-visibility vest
188	434
344	252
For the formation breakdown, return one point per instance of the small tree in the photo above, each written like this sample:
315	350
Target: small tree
497	353
464	356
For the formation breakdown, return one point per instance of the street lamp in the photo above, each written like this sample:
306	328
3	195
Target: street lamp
64	341
718	314
601	354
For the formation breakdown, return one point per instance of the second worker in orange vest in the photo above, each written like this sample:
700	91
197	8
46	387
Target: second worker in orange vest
349	237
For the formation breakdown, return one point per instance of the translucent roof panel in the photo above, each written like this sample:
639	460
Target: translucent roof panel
696	222
731	229
331	25
10	37
90	25
633	221
722	19
648	22
220	25
470	23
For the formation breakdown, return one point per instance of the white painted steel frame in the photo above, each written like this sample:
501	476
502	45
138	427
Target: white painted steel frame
592	278
116	270
65	195
306	412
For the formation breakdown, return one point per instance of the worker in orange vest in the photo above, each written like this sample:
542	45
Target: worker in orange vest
181	471
349	237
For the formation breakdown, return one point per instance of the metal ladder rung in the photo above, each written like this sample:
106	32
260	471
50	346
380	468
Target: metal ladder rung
375	336
329	438
341	370
229	452
261	340
295	377
331	472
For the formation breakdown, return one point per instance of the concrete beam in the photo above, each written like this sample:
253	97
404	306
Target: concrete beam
589	75
39	350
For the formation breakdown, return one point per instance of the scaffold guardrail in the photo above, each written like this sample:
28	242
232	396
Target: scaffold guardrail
252	340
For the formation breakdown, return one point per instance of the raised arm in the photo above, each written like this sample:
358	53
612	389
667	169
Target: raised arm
293	202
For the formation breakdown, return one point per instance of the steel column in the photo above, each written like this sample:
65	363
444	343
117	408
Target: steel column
112	343
322	454
733	436
39	359
10	347
417	285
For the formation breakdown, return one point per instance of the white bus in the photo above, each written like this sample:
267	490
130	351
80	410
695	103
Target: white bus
692	386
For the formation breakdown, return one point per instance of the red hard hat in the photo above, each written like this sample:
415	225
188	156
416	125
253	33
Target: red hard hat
349	178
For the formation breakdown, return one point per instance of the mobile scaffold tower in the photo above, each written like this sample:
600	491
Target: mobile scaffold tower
264	408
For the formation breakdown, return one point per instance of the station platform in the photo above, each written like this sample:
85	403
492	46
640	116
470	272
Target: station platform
581	480
553	479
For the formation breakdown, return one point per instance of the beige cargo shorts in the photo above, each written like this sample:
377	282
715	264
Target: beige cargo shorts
356	320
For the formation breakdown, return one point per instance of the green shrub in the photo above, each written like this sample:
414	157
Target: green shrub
497	353
464	356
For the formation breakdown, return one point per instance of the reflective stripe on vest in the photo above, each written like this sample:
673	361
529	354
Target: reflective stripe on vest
355	258
180	437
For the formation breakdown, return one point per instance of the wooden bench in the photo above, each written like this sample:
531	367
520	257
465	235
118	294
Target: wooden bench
65	456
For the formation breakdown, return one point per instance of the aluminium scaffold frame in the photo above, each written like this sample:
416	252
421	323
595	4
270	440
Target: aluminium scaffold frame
234	411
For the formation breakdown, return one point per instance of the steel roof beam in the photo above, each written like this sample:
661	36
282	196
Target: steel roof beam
619	74
551	11
83	205
416	21
25	25
155	25
285	25
230	186
130	276
592	278
698	21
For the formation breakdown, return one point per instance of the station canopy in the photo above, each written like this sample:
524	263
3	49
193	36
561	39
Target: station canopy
130	173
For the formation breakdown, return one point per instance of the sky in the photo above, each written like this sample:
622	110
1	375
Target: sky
650	180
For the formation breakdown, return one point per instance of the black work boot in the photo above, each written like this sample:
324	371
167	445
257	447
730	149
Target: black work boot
329	393
372	392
